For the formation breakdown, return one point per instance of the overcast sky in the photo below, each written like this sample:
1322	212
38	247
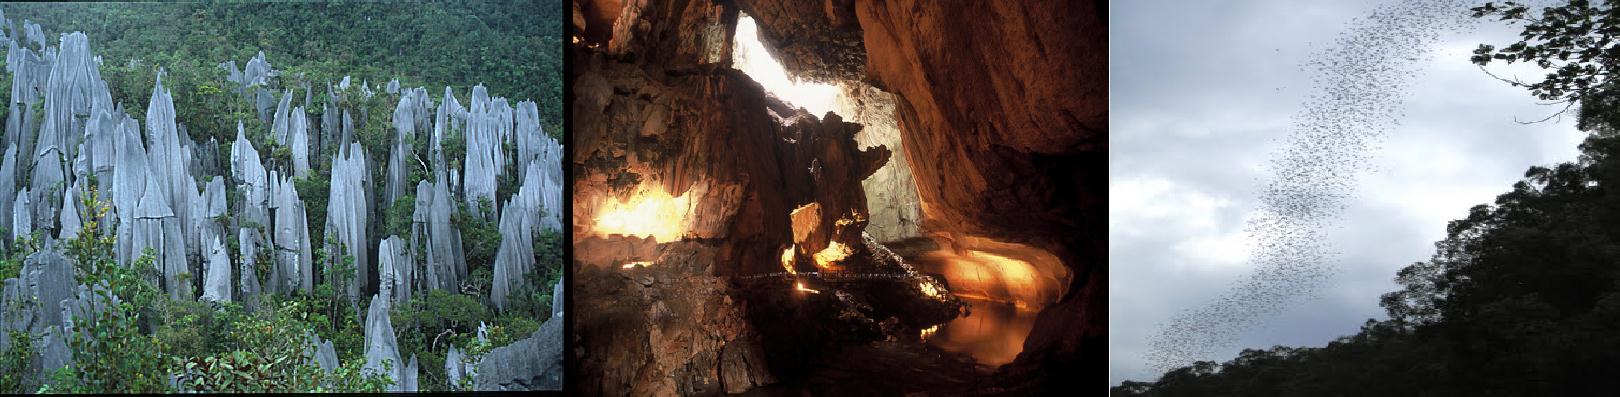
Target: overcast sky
1202	95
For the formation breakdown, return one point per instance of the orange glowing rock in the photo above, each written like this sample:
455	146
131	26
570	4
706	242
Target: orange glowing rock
787	260
650	211
806	221
930	290
927	332
834	252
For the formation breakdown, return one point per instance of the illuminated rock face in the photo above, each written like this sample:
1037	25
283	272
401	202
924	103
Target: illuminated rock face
1013	153
639	172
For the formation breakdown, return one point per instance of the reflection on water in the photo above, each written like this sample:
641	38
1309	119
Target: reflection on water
993	333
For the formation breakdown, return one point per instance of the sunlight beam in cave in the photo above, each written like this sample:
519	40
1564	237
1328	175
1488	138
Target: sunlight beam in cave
749	56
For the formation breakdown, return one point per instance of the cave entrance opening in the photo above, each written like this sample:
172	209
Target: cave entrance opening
750	56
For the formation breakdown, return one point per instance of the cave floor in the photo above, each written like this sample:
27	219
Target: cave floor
888	368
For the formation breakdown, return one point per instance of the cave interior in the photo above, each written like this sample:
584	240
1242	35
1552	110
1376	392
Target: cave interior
838	196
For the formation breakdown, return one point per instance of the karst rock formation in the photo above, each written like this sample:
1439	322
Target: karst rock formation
231	224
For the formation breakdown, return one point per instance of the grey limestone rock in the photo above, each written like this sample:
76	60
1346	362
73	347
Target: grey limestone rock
408	376
71	222
409	116
49	278
445	264
217	277
156	227
45	189
450	117
396	269
86	302
257	72
97	154
347	210
172	183
294	255
264	101
298	141
484	158
323	354
248	244
533	363
8	189
557	303
515	257
541	192
455	368
20	309
278	126
35	35
255	183
22	222
129	177
381	345
53	353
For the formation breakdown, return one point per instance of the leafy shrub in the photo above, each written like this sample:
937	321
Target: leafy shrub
111	353
480	236
15	363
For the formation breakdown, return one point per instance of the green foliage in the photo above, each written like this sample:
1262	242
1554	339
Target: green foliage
16	362
455	149
239	372
1575	41
438	310
189	329
517	45
334	316
112	354
265	352
11	264
398	217
532	298
480	236
313	189
428	324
